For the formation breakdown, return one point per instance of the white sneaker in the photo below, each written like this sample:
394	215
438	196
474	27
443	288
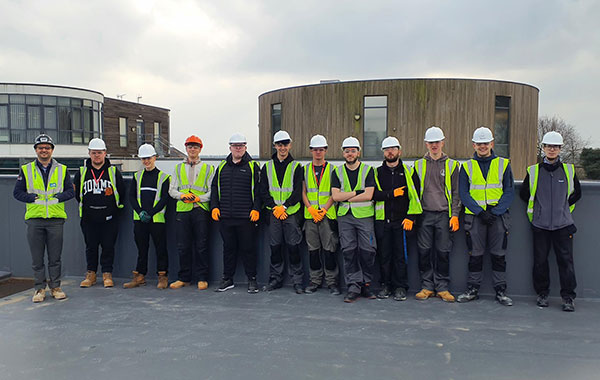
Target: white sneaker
39	295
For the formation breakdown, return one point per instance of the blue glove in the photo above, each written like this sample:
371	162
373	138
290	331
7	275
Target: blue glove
145	217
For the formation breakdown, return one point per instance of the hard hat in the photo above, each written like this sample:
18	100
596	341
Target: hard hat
552	138
146	150
350	142
281	136
43	139
193	139
390	142
318	141
97	144
482	135
434	134
237	138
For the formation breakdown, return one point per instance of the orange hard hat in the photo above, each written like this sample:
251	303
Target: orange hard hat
193	140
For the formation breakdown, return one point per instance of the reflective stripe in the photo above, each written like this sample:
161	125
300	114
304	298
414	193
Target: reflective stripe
489	190
159	217
281	192
534	171
199	187
46	205
359	209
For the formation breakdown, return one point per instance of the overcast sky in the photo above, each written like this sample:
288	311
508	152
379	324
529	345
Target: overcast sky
208	61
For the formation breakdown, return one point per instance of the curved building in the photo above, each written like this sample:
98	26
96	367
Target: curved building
373	109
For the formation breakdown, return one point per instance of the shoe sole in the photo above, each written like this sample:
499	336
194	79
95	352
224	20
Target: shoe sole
226	288
253	291
465	301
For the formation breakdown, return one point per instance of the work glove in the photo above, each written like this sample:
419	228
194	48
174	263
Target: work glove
187	197
216	214
322	212
254	215
278	211
407	224
145	217
487	217
454	224
399	191
314	212
283	216
194	198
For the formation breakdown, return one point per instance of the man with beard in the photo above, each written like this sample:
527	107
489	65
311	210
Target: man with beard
352	186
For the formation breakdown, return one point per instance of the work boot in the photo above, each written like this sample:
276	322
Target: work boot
163	280
178	284
334	290
311	288
446	296
298	289
568	304
202	285
226	284
542	300
138	279
424	294
351	297
272	285
39	295
400	294
90	279
107	280
252	285
365	292
503	299
57	293
384	293
470	294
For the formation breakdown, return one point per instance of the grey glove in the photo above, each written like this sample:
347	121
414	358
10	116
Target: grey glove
487	217
145	217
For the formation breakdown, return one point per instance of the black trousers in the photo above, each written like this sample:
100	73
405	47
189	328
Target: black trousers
142	233
391	249
192	245
239	239
98	234
562	242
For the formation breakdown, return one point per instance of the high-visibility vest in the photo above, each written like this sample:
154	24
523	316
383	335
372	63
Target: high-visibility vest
414	202
451	165
359	209
111	176
534	171
223	163
46	205
319	195
485	191
159	217
281	192
199	187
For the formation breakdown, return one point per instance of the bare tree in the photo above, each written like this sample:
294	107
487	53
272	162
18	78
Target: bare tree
573	142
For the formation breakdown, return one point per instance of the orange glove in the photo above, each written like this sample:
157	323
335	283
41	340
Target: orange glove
454	224
407	224
254	215
314	212
322	212
399	191
278	211
216	214
187	197
194	198
283	216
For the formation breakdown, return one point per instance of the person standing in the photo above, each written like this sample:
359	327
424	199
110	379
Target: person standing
352	186
235	204
551	190
98	189
486	189
397	205
148	196
44	186
281	192
437	176
320	225
190	186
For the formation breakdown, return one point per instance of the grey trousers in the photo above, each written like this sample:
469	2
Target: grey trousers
45	235
285	231
322	242
434	243
358	242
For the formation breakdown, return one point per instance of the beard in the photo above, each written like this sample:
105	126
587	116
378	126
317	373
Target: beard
351	162
391	159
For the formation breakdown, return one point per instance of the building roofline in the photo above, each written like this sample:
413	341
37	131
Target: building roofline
50	85
141	104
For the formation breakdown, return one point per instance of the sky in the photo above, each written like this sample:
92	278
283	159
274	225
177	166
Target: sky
208	61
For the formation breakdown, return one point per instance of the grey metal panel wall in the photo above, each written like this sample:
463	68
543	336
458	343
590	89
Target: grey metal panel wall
14	251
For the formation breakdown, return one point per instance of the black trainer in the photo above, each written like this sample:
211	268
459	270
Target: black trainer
568	304
334	290
272	285
503	299
470	294
252	286
365	292
226	284
311	288
542	300
351	297
384	293
400	294
298	289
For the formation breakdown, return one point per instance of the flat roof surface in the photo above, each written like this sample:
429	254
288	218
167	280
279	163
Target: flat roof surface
190	334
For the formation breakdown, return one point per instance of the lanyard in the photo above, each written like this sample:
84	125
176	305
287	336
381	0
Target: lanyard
97	180
321	175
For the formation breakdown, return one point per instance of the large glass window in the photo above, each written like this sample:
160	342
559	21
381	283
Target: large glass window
122	132
139	128
275	119
502	126
375	125
4	131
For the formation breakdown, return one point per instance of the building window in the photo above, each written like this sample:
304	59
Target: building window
275	120
157	139
374	125
4	131
123	132
139	128
502	126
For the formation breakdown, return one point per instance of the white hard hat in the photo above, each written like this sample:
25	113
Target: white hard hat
237	138
390	142
350	142
97	144
281	136
146	150
482	135
552	138
318	141
434	134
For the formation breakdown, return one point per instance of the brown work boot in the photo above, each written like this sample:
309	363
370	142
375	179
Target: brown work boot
446	296
178	284
39	295
138	279
424	294
58	293
163	280
90	279
107	280
202	285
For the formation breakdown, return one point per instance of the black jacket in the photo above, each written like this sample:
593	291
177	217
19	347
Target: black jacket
280	168
396	208
149	180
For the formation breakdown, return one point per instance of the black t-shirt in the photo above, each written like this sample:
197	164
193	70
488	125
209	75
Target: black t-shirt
317	172
353	178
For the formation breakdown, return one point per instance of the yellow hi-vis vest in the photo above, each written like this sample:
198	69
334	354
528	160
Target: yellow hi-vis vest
159	217
485	191
111	176
281	192
46	205
199	187
359	209
223	163
534	171
451	165
414	202
318	196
